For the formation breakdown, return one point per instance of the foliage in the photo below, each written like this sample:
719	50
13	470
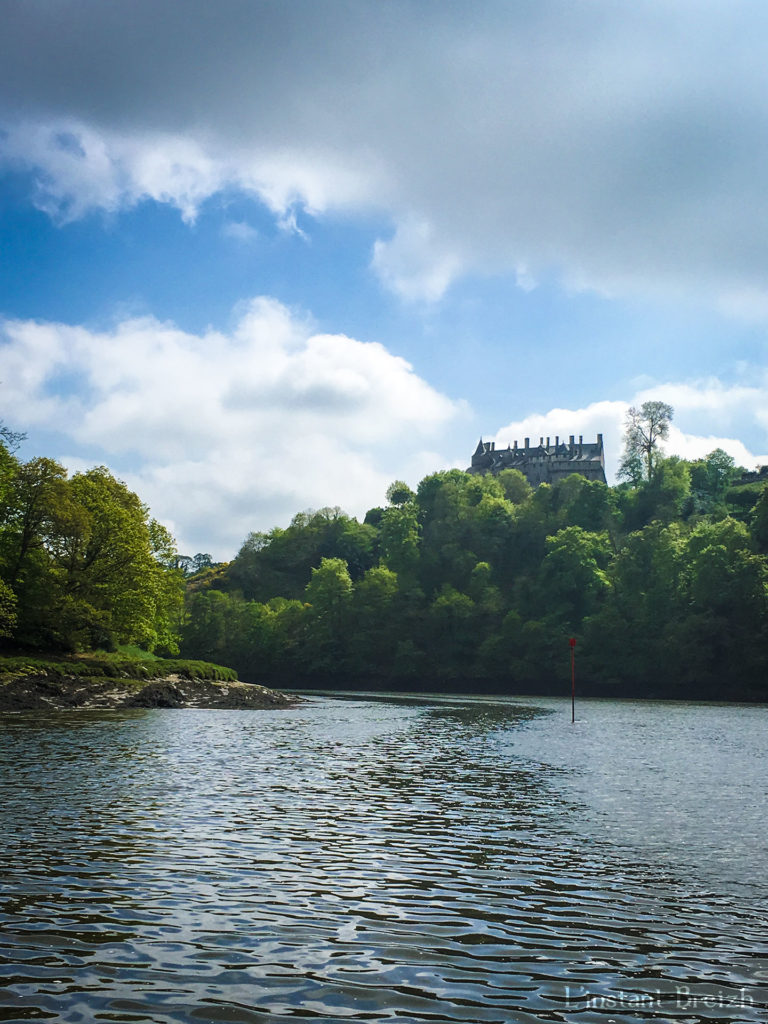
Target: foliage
468	581
106	665
399	493
280	563
481	580
82	564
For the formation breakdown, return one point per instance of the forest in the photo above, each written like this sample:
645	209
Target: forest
470	583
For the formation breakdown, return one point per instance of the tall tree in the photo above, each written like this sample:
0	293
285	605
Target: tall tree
646	428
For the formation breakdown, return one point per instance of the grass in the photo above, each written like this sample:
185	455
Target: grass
100	664
132	651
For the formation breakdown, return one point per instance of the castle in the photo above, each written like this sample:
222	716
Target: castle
543	463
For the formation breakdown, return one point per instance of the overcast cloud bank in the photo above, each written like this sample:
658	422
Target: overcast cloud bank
624	147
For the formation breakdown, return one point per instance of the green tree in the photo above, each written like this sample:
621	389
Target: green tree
329	593
376	622
279	563
515	486
107	558
646	428
573	579
626	636
37	492
35	497
400	540
712	475
451	627
399	493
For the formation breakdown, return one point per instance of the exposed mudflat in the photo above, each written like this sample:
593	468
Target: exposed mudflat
47	691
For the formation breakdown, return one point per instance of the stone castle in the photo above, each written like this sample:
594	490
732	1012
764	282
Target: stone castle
543	463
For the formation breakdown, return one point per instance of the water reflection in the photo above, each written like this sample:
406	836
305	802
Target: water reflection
372	860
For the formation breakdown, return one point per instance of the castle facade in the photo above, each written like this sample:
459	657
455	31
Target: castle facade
543	463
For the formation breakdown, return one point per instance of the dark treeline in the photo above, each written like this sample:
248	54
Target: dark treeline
477	583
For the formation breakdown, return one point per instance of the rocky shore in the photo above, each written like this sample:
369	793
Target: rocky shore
41	691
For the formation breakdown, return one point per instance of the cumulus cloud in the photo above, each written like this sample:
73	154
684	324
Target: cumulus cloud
225	433
707	415
623	147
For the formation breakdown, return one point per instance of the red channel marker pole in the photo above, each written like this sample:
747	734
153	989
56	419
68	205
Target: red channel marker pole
572	642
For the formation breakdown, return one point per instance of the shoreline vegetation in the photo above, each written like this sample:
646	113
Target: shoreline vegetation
96	682
471	583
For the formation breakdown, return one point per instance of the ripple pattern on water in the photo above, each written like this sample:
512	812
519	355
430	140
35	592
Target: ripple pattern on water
351	859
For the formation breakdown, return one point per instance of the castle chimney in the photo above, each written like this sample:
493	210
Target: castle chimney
541	442
515	445
527	442
570	440
557	440
600	440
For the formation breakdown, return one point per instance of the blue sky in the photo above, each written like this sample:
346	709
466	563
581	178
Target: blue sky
263	257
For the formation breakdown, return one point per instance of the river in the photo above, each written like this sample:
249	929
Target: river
386	859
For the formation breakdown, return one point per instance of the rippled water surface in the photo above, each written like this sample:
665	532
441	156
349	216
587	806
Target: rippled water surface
386	859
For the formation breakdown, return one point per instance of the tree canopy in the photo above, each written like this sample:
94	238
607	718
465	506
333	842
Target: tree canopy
478	582
466	582
82	563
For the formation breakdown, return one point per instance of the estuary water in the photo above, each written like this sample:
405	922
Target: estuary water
386	859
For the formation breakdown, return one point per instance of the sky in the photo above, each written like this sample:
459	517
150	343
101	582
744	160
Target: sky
262	256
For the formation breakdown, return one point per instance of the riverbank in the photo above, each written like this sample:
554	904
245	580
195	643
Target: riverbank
94	682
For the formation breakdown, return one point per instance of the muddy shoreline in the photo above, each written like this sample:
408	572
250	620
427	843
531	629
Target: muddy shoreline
48	691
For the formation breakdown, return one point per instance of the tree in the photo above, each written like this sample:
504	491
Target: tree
400	539
110	563
516	487
329	592
10	439
399	493
572	580
279	563
375	623
710	480
451	628
37	490
646	428
663	498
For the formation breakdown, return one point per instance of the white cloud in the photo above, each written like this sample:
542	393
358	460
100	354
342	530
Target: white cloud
621	146
413	265
224	433
240	231
80	169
